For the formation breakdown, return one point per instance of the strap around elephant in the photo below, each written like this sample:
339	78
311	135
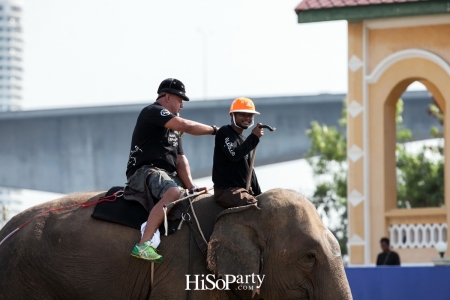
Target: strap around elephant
202	245
198	238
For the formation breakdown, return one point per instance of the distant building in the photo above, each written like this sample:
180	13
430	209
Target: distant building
11	46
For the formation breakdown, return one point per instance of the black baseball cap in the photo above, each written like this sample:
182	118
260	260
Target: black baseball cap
173	86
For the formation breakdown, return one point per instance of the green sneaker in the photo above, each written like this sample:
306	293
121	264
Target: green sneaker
146	252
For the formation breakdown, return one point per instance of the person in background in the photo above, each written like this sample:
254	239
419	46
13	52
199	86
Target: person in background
387	257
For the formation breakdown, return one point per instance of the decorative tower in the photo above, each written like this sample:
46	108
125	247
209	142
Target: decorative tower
11	46
391	44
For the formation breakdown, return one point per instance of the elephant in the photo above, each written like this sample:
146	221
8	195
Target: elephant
66	254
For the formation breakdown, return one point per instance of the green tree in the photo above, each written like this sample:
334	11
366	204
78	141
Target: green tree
328	159
419	175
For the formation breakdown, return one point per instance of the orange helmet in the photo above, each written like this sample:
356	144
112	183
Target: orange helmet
243	105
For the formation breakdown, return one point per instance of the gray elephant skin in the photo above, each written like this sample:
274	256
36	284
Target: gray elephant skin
67	254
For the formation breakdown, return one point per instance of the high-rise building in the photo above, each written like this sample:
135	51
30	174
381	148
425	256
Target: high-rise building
11	46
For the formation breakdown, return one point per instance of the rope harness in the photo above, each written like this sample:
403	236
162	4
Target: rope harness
196	221
88	203
197	233
202	243
185	217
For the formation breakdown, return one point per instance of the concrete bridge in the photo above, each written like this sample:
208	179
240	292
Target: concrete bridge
80	149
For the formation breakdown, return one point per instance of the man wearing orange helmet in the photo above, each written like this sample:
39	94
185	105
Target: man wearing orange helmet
231	165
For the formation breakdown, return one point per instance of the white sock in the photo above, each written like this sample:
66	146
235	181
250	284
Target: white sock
156	238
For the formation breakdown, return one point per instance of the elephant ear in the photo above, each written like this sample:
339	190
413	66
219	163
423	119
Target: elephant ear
235	245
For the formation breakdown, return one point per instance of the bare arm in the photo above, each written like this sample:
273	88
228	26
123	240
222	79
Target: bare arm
188	126
184	171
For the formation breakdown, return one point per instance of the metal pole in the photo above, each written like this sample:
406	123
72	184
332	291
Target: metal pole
205	67
205	61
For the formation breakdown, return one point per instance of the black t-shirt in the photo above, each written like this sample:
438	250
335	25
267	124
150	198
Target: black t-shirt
152	143
232	160
388	259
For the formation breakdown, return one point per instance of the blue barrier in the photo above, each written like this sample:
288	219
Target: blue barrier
398	283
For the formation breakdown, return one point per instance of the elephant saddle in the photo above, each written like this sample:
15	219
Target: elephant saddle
127	212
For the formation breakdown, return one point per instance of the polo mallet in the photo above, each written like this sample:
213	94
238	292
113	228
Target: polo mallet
171	204
252	160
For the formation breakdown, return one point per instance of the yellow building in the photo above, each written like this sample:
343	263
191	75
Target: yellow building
391	44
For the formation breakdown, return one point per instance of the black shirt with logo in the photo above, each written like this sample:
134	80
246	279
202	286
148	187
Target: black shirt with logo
152	143
232	159
388	259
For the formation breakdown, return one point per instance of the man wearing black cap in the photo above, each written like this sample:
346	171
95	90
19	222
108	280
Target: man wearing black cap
157	159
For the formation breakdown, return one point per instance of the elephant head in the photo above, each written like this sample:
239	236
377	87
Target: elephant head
284	240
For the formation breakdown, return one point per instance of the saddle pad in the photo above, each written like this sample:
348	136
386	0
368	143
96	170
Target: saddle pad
128	213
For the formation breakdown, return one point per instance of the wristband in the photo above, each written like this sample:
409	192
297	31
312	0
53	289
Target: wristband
215	129
192	189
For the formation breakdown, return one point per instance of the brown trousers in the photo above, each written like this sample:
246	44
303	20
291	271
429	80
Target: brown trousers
233	197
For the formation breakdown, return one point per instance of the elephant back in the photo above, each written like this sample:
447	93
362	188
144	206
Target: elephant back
68	201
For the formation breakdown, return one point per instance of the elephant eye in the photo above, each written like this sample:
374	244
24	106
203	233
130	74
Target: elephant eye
310	258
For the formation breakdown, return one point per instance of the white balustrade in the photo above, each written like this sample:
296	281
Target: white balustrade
417	235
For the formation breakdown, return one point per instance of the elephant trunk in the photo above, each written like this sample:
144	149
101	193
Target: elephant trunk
332	284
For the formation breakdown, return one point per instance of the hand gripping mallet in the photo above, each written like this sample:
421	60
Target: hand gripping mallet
252	160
